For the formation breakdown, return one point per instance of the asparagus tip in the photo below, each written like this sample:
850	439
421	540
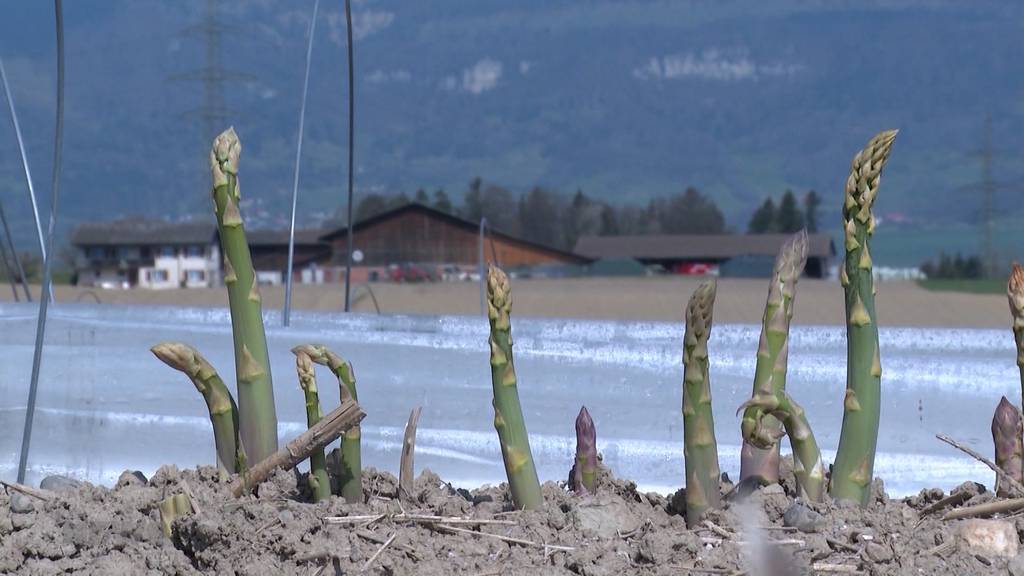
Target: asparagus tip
1015	292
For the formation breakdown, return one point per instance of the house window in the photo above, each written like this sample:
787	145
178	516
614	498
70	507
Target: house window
196	275
195	251
159	275
167	251
94	252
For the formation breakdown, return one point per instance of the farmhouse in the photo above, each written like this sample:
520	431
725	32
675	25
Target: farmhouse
147	253
729	254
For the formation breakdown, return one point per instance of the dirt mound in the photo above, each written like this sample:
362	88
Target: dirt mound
95	530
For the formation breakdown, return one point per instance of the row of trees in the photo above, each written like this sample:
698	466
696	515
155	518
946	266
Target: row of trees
954	267
788	217
547	217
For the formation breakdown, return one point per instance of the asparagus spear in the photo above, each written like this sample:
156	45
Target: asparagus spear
223	412
508	414
855	459
1015	294
255	389
319	482
349	465
699	446
1007	433
807	465
583	479
772	358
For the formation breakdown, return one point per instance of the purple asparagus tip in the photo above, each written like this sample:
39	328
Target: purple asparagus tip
584	476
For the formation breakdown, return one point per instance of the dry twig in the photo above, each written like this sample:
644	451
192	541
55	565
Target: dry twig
509	539
1010	480
44	495
835	568
316	437
718	529
1000	506
379	552
415	518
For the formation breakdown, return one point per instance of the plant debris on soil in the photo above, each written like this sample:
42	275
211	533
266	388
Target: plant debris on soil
86	529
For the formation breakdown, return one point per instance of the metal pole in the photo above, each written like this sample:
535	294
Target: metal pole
14	252
480	267
295	183
24	163
351	153
37	355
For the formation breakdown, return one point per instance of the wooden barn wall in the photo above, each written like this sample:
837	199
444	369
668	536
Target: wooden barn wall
417	237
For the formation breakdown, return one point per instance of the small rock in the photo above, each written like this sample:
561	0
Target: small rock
878	492
285	516
22	504
802	518
1016	566
877	553
990	538
131	478
58	483
604	519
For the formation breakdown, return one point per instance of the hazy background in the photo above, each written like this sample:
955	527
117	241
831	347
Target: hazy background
624	100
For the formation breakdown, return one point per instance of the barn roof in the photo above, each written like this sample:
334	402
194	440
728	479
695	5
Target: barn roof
456	221
142	232
695	247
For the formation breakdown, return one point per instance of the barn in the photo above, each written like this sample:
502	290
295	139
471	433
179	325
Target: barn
731	254
421	234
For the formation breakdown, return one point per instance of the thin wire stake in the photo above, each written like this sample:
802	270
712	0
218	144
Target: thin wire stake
37	355
24	164
480	266
295	182
351	152
14	252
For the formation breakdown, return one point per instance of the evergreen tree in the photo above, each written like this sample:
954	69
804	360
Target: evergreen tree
421	197
811	203
473	202
441	201
539	217
609	221
371	205
789	218
763	221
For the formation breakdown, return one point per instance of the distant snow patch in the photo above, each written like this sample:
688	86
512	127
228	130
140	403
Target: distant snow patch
711	64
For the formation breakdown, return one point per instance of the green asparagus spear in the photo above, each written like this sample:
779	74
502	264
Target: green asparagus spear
319	482
252	368
223	412
855	460
772	358
349	466
699	446
1015	293
508	414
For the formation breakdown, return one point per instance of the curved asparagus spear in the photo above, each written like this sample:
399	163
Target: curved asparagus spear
583	479
349	466
223	412
699	446
258	417
319	482
772	357
1007	433
855	460
807	465
1015	294
508	414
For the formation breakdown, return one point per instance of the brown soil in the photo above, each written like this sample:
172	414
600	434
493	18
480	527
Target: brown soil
96	530
900	303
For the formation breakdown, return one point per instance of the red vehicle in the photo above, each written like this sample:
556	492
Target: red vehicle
696	269
408	272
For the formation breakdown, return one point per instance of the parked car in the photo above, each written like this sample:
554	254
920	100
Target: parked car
409	272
